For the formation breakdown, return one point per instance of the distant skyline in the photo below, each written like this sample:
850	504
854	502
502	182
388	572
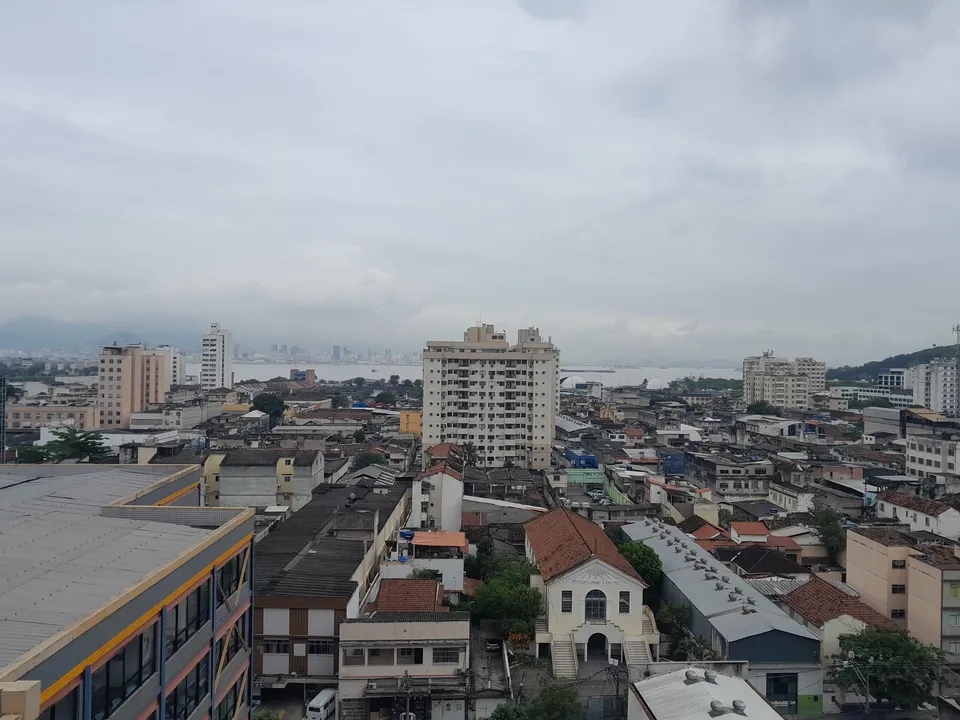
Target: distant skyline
682	179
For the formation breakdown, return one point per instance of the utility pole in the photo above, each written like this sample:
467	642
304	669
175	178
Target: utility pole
863	676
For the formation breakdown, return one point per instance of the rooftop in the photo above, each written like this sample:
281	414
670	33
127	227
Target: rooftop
776	586
408	595
407	617
688	695
268	457
939	556
750	528
920	504
561	540
60	560
441	538
759	560
723	599
819	602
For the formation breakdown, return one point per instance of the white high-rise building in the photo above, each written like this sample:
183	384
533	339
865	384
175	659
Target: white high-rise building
216	367
502	398
935	386
784	383
174	364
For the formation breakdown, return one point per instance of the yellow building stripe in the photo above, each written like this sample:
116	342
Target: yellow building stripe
178	494
136	626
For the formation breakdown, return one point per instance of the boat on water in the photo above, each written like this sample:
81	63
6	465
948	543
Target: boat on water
373	370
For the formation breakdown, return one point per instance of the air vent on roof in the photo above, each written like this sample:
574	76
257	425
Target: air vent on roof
738	590
710	676
725	578
752	600
689	556
678	549
662	535
691	674
716	707
733	596
714	568
670	541
740	706
720	586
685	546
710	576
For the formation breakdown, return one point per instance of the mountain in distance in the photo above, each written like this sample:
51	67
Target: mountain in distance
32	333
869	371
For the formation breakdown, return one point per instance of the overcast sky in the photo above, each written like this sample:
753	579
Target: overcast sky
687	178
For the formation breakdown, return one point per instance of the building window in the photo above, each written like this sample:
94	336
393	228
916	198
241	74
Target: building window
121	676
320	647
64	709
187	617
595	606
955	590
566	601
953	619
228	579
446	656
899	564
898	614
624	602
409	656
899	589
228	706
276	646
186	697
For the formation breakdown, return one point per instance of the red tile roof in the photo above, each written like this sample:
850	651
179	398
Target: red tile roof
406	595
913	502
468	519
440	469
442	450
750	528
561	540
633	432
779	541
819	602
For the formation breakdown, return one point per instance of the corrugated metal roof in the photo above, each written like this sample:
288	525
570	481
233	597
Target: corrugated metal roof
720	599
774	586
59	560
674	696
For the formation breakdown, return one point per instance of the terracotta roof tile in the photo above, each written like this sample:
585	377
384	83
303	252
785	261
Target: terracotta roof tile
914	502
407	595
750	528
438	469
561	540
470	586
818	602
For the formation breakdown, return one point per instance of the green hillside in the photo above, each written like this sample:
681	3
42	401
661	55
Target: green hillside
868	371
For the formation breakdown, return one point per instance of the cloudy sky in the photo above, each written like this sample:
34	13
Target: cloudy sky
685	178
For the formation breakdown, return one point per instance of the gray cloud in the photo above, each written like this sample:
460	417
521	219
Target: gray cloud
692	179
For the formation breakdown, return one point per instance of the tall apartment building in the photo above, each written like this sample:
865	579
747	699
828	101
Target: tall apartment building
784	383
935	386
216	369
175	371
502	398
131	378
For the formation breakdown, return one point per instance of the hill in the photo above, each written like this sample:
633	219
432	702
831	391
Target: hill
869	371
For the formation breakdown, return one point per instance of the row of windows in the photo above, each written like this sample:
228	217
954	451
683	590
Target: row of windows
123	674
189	615
228	578
595	604
185	698
232	640
404	656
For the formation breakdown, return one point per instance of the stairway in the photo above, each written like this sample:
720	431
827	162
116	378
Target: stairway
564	661
637	652
649	627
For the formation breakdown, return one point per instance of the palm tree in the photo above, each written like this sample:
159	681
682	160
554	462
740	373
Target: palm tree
470	454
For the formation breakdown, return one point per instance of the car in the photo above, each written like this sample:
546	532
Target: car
606	501
493	645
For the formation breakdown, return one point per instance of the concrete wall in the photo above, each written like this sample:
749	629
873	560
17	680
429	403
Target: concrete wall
594	575
925	588
871	573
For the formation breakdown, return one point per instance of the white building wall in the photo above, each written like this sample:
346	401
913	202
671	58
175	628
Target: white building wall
946	524
502	398
320	623
450	569
216	362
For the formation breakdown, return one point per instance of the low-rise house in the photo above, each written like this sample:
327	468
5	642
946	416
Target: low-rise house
736	623
593	597
413	662
256	477
831	613
757	561
940	517
792	498
440	552
730	477
438	490
693	693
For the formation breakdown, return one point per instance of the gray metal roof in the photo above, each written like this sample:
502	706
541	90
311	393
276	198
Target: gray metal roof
722	599
59	560
777	586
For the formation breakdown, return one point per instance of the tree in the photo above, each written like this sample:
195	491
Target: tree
509	712
644	560
359	436
827	523
407	383
12	392
762	407
359	381
484	563
367	458
692	648
555	702
424	574
72	443
418	383
470	454
339	401
515	607
271	404
394	380
386	398
674	618
879	402
32	454
902	670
